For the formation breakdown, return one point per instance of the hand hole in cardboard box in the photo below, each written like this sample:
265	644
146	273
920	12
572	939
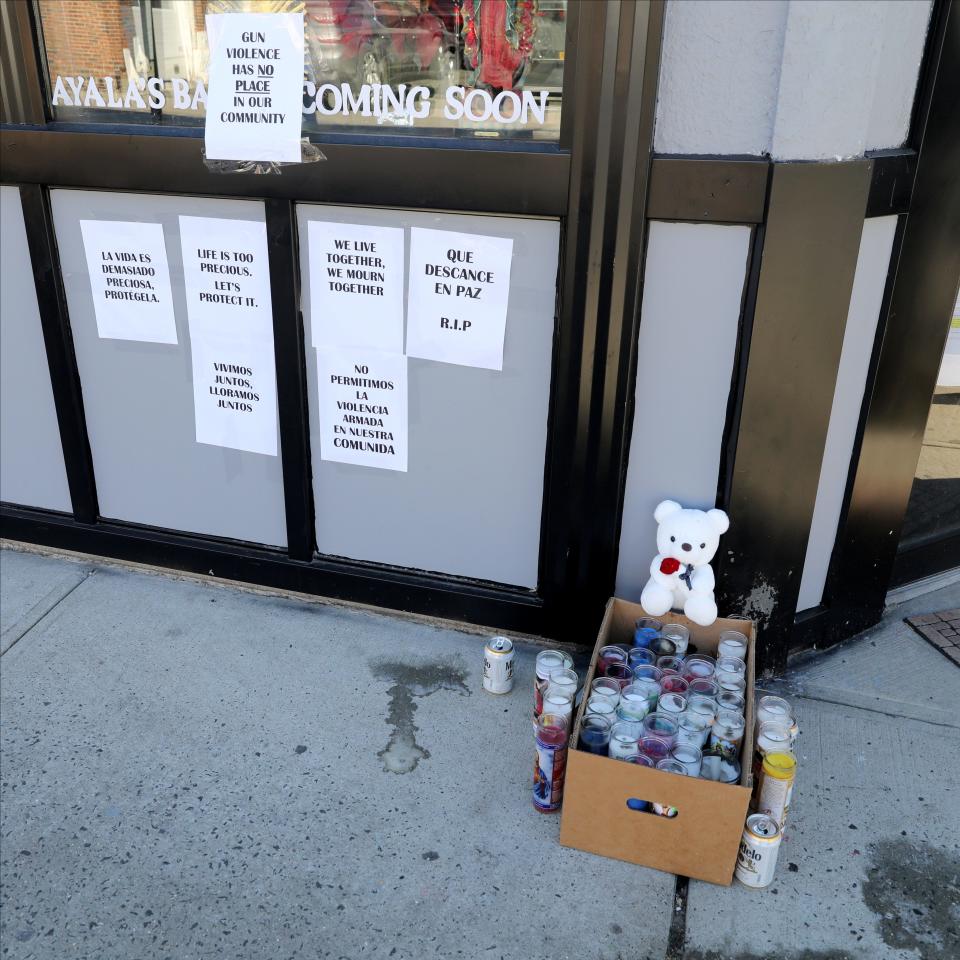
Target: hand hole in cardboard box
645	806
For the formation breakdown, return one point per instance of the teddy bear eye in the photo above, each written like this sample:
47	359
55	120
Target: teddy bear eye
702	545
673	539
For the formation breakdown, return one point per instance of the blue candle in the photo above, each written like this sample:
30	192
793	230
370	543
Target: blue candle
640	656
594	740
644	636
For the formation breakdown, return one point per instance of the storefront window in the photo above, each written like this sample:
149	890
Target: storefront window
933	512
480	68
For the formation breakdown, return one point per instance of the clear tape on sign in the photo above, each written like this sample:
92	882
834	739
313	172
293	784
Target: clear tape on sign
309	153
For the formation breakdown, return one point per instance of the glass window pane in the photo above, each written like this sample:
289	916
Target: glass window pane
32	471
933	512
474	68
469	503
138	397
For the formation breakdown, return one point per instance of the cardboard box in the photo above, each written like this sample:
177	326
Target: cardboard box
703	839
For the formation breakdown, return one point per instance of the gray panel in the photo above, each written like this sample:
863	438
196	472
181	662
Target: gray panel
688	338
31	460
138	397
471	500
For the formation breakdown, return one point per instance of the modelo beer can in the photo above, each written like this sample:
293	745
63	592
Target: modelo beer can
775	790
498	665
759	846
547	662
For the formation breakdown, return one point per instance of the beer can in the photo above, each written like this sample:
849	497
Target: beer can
498	665
759	846
550	763
547	662
775	790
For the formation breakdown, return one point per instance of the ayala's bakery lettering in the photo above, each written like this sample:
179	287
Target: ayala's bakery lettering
379	100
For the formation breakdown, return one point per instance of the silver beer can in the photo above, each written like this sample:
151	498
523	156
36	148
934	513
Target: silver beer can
759	846
498	665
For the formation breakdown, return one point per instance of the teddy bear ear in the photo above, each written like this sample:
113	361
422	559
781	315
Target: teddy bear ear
720	520
664	509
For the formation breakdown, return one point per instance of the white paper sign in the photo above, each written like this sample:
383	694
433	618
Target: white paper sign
226	273
363	407
255	90
235	394
227	280
356	286
130	280
458	295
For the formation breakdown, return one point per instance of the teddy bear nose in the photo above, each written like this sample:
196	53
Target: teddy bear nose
686	546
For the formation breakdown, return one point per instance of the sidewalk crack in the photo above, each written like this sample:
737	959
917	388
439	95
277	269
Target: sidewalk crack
893	714
45	614
677	937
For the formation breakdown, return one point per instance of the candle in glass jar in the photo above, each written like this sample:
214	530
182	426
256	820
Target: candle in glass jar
649	688
608	655
647	671
640	657
646	630
731	683
595	735
698	667
663	647
704	687
703	707
726	735
634	702
677	634
773	708
689	756
563	679
654	749
693	729
730	700
619	672
558	703
670	664
605	687
672	704
731	665
624	739
602	707
547	661
674	683
732	643
661	726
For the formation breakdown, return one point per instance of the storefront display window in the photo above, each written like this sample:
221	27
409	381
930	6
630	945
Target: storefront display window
474	68
933	513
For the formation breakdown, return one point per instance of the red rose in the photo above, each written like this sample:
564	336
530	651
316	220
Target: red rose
669	565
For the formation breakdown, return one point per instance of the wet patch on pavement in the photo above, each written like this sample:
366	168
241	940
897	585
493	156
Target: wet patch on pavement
409	681
915	892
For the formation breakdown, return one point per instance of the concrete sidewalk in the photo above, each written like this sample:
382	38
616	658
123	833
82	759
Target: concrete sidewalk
195	771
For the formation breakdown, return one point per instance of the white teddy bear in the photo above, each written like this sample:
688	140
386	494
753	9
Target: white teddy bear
680	575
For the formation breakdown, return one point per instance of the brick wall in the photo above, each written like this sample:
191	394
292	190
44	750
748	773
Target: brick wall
84	37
